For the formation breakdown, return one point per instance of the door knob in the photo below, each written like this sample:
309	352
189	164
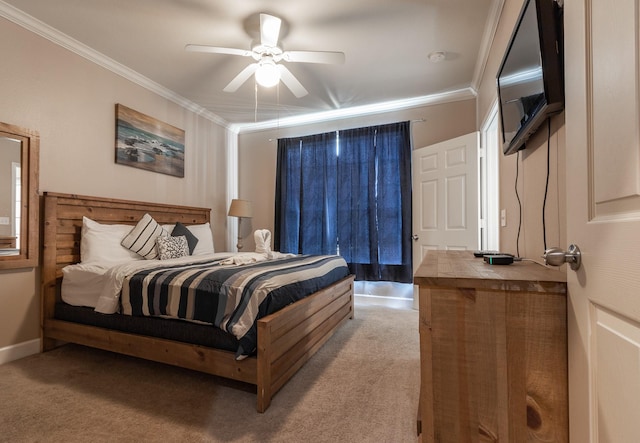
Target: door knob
415	237
557	257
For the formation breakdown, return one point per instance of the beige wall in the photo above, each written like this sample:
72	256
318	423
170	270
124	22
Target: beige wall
257	150
532	166
71	103
531	188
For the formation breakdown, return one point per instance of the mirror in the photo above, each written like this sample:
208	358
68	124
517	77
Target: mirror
19	207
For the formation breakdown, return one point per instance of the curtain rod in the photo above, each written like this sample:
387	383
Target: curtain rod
420	120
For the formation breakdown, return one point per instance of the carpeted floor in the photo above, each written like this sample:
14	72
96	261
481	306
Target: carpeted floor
362	386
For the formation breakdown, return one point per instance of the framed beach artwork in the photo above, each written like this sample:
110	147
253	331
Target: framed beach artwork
146	143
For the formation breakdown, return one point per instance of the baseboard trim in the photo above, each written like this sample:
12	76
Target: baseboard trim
18	351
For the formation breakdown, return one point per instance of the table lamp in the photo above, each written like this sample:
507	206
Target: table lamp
241	209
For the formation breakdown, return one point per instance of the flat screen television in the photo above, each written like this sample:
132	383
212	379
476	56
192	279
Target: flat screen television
531	76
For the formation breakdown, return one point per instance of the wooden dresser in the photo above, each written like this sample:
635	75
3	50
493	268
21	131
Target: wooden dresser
493	350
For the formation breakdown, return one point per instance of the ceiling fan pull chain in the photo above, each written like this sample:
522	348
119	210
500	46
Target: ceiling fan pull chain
278	110
255	110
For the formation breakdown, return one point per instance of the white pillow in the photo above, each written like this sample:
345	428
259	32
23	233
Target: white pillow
100	243
205	239
142	238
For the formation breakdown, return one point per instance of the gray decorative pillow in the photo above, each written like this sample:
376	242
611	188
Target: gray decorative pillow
172	247
142	238
180	229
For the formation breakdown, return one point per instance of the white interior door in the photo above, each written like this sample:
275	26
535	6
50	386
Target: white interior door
445	196
602	118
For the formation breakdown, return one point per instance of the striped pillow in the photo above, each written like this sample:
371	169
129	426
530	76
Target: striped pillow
142	238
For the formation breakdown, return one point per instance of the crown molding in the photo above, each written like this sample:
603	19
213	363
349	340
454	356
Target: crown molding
490	29
356	111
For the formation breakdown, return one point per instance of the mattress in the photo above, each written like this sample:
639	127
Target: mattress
182	331
82	284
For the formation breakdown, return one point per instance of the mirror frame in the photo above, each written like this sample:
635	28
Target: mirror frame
28	256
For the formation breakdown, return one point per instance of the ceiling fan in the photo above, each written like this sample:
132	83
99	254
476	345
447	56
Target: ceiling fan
267	54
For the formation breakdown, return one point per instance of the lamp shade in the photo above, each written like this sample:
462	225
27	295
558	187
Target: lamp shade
240	208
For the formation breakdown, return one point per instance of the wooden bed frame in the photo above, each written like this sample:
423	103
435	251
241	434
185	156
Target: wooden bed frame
286	339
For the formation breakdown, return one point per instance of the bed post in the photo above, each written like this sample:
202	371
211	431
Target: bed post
48	277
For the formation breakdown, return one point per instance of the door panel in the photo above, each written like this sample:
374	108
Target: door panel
614	109
616	349
456	201
603	218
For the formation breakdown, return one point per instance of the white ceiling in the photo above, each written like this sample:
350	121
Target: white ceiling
386	43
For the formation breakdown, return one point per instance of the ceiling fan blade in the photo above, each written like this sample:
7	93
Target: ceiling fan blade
329	57
291	82
218	50
241	78
269	30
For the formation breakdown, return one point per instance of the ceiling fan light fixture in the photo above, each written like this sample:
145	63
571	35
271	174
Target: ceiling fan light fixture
267	53
267	74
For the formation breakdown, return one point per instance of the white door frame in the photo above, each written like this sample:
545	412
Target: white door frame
489	180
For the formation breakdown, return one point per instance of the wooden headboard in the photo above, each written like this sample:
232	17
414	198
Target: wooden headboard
62	224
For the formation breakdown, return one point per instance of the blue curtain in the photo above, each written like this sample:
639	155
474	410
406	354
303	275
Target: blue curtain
354	200
374	201
306	188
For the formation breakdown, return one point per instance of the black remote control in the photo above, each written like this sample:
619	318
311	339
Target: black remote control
483	253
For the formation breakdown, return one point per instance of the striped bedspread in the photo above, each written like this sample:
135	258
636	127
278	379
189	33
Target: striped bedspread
231	297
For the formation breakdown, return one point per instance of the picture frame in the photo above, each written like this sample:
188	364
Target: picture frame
147	143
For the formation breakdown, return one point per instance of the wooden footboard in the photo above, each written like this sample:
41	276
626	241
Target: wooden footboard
286	339
289	337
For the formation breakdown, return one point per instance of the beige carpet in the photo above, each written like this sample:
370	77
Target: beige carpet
362	386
